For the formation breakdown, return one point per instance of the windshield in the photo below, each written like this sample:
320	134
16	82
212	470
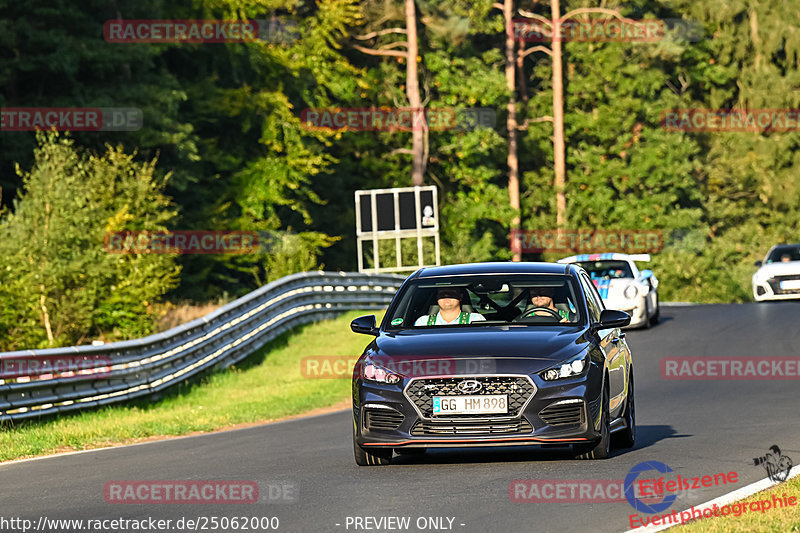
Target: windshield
487	300
607	269
784	254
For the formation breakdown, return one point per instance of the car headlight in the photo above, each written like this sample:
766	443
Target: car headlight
761	277
630	292
378	374
568	369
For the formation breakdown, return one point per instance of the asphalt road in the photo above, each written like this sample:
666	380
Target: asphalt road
695	427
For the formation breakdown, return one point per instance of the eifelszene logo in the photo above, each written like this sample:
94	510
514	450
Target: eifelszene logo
638	504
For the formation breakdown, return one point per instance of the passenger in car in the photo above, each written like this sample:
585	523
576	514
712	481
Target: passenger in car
449	302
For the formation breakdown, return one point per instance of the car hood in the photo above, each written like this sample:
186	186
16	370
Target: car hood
778	269
484	350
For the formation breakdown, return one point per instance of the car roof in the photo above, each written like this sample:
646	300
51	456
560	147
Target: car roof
502	268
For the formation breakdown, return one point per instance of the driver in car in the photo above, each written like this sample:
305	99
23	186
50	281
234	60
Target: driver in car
541	301
449	301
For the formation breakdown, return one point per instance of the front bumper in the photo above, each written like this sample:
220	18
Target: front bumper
770	290
554	413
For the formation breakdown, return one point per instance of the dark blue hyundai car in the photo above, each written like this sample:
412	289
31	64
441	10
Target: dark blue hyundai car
493	354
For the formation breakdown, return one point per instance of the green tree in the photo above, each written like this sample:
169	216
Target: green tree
61	285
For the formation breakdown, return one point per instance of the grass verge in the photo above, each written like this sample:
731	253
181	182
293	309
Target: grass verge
267	385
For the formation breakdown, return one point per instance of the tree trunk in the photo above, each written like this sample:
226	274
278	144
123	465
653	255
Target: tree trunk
511	126
45	316
419	125
558	118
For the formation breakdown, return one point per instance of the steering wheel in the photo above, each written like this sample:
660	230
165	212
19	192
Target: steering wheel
532	313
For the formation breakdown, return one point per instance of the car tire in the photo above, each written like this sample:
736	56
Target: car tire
410	451
371	458
647	323
627	437
602	448
657	314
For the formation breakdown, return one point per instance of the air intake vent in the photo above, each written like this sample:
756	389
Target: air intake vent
463	427
383	419
563	414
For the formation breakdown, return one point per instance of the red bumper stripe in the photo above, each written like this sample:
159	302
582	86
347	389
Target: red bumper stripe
418	441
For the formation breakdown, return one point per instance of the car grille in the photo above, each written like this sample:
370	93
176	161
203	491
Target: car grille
775	283
563	414
382	419
469	427
518	388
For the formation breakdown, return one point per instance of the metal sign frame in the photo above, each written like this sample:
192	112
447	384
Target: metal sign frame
375	235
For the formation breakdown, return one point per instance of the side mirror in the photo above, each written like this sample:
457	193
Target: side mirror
611	318
647	273
364	324
758	263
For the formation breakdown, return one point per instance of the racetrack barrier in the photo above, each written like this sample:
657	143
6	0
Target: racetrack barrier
54	380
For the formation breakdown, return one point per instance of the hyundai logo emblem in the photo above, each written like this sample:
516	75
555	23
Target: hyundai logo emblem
470	386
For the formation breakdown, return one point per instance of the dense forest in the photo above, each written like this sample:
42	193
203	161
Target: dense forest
223	143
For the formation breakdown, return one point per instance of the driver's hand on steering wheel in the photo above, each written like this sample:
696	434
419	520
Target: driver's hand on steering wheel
565	319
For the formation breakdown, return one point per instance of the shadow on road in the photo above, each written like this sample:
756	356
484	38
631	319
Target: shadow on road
485	455
648	435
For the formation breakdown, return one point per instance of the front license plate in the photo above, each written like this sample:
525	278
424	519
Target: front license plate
790	284
470	405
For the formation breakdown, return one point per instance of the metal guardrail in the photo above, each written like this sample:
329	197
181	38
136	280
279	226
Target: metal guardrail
88	376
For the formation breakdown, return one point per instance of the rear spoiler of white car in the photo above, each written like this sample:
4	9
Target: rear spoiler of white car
600	257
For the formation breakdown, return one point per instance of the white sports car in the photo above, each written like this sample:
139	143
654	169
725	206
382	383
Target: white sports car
622	285
778	277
